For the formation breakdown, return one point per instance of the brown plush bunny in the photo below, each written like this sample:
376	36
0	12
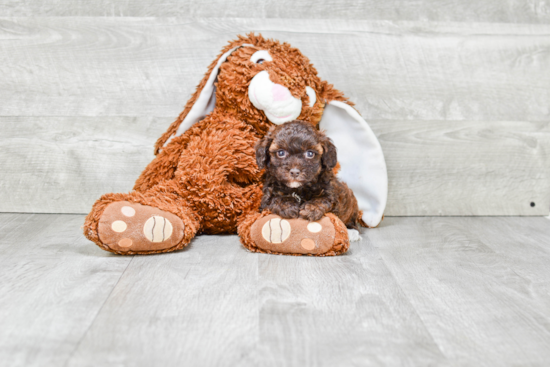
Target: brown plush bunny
204	178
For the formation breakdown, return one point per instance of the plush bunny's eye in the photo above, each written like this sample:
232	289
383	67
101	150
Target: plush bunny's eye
281	153
260	56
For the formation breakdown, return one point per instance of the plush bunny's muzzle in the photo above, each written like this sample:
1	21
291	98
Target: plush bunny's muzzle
278	104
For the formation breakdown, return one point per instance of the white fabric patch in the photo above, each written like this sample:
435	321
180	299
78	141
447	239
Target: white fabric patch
207	98
360	155
314	227
128	211
274	99
119	226
353	235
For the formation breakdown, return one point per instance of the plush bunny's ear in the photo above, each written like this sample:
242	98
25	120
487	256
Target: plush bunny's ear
363	167
204	102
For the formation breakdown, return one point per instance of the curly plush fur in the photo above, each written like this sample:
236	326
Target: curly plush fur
208	176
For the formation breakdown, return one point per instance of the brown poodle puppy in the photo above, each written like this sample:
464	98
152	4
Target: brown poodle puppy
299	163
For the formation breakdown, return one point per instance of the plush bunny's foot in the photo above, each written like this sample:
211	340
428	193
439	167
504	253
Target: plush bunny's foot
273	234
126	227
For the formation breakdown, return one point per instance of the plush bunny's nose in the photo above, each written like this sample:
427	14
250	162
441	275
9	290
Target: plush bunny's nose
279	92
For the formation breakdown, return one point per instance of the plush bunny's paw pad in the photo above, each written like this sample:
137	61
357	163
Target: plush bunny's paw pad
131	227
294	236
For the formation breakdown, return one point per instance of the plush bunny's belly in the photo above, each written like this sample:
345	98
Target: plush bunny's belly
217	172
223	212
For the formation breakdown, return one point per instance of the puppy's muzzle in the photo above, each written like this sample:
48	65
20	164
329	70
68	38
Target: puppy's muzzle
294	173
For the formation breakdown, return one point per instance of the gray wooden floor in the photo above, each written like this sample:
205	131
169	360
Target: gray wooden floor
416	291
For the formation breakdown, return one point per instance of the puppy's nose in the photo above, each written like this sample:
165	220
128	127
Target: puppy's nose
294	172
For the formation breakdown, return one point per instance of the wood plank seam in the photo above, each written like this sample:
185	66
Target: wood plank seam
396	281
97	313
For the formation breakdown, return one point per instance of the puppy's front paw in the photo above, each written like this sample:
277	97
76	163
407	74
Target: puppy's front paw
312	213
289	212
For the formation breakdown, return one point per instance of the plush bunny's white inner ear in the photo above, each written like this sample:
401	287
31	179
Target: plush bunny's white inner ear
312	96
363	167
207	98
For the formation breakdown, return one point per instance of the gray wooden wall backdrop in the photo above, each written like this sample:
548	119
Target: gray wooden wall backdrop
458	92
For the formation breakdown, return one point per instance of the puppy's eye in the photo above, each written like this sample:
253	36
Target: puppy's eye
260	61
310	154
281	153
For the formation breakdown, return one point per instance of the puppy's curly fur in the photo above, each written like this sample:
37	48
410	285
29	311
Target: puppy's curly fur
299	163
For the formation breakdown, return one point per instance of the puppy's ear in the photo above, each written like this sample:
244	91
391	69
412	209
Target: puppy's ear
329	158
262	151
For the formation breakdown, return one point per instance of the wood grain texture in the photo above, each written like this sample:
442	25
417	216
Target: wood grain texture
78	66
52	285
466	168
414	292
215	304
196	307
343	311
461	109
63	164
478	284
515	11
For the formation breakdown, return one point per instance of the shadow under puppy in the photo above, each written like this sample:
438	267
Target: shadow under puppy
300	182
